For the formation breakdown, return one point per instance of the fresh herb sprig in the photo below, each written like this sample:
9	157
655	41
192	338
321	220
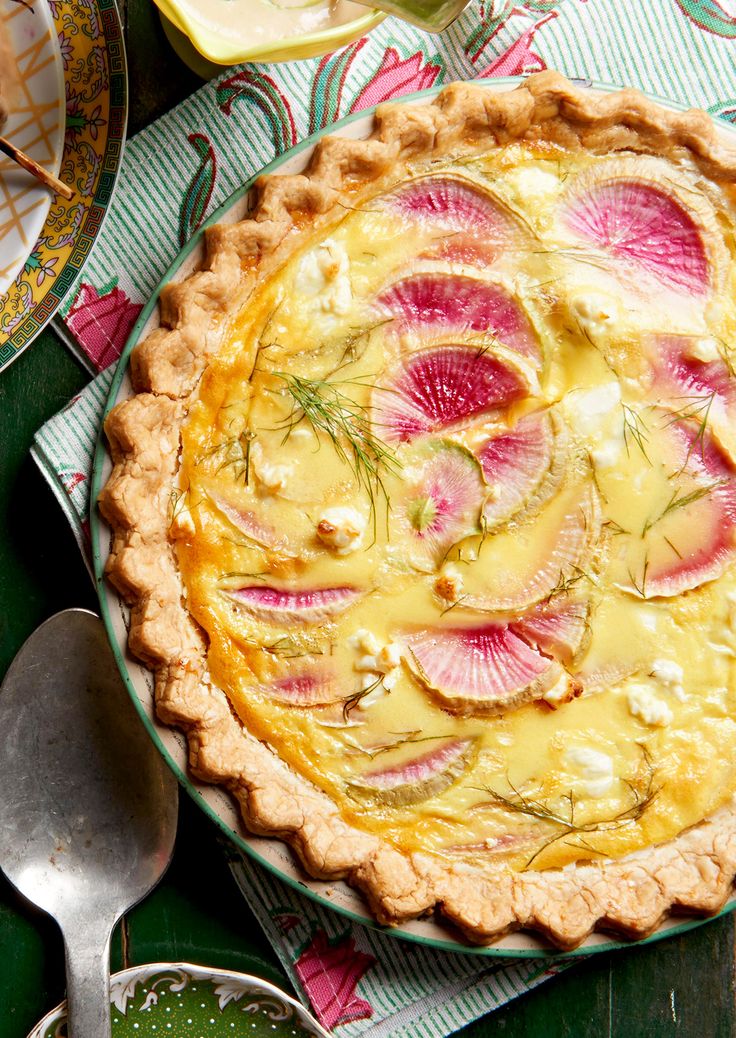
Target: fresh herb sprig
328	409
636	431
523	803
696	409
680	500
349	704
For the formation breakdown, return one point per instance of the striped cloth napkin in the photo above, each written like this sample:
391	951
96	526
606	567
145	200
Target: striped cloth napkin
358	981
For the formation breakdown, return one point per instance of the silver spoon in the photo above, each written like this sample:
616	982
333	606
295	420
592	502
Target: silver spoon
88	807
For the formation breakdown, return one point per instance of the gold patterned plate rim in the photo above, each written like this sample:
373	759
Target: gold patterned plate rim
35	125
90	40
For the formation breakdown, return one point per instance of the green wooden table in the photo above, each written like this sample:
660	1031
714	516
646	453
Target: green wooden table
682	986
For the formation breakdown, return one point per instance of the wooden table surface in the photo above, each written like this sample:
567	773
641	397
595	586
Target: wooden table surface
681	986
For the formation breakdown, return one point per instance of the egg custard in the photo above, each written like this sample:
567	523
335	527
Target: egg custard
426	508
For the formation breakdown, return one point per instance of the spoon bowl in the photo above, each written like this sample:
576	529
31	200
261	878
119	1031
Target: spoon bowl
88	808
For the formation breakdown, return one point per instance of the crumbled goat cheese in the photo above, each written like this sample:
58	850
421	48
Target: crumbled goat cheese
647	707
323	275
271	478
595	312
596	769
596	414
529	182
670	675
705	350
342	529
376	661
562	691
449	584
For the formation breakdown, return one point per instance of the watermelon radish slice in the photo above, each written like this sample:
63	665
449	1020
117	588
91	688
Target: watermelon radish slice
603	677
278	605
561	553
705	534
689	382
452	202
484	670
481	225
523	466
442	503
420	778
442	303
442	386
304	689
249	524
641	224
559	628
463	248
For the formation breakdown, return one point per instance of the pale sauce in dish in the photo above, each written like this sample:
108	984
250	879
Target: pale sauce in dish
263	21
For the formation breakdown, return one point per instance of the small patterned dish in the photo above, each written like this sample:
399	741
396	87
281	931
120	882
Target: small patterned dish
189	1001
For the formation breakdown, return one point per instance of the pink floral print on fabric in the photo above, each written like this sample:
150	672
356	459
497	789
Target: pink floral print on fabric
102	322
396	76
330	970
519	58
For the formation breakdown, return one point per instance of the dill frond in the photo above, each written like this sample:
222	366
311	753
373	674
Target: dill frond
635	429
403	739
524	803
233	453
679	500
640	586
353	700
326	408
697	410
569	580
614	528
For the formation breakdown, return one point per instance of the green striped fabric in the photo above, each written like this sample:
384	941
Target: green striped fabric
358	980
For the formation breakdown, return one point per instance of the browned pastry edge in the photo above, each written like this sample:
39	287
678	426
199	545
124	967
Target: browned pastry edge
694	871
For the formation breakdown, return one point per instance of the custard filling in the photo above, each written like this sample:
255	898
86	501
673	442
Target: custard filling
456	508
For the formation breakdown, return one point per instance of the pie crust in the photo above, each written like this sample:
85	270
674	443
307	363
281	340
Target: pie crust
693	872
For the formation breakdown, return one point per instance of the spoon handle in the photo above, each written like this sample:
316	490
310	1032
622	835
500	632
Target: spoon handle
87	949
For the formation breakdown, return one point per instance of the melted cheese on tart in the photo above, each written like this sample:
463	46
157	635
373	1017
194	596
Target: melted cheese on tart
459	509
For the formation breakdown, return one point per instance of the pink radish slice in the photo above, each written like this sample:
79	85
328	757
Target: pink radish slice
569	546
684	379
602	677
443	506
464	248
558	627
640	224
446	303
480	670
711	519
308	688
522	466
249	524
420	778
452	203
506	843
280	606
438	387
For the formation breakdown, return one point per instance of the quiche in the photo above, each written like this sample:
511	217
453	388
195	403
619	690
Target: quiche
425	507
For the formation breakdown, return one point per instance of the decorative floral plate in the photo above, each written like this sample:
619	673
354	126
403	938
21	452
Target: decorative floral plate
36	125
182	999
70	55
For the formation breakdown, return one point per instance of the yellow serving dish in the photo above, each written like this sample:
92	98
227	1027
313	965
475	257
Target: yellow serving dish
205	50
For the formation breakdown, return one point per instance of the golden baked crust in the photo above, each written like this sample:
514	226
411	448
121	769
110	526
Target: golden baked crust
692	872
